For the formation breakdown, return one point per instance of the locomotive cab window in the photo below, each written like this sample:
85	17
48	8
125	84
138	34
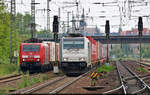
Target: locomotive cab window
73	43
31	48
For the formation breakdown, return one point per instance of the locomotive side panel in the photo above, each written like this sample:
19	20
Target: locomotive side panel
87	50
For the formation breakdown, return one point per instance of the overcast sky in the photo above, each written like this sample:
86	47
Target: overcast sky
111	12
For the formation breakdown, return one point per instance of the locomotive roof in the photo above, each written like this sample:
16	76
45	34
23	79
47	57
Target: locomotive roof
73	37
31	43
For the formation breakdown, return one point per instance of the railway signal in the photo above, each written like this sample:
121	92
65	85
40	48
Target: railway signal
107	31
107	28
55	24
140	29
55	31
140	26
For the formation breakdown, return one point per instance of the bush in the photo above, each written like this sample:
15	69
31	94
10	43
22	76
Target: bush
140	69
36	80
105	68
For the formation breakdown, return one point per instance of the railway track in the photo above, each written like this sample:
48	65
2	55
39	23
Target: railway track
144	64
134	85
52	86
10	78
148	65
13	78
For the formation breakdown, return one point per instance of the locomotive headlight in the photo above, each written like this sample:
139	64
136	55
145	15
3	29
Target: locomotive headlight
37	59
65	59
82	59
24	56
37	56
23	59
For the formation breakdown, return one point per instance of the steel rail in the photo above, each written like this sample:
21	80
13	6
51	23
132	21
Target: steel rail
141	90
146	78
34	89
143	64
40	86
113	90
129	78
10	78
137	77
57	90
118	88
121	79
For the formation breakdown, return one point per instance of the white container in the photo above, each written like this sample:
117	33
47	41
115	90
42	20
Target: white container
52	51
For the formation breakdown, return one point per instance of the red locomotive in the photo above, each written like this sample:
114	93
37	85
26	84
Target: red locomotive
38	56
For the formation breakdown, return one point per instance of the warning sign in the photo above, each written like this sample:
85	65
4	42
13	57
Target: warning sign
94	75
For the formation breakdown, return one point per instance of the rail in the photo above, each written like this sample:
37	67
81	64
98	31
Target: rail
143	84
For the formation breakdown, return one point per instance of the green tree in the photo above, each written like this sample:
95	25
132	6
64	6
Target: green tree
4	35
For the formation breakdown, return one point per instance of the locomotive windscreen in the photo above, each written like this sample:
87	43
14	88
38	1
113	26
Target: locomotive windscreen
73	43
31	47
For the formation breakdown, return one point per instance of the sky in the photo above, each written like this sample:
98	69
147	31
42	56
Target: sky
92	12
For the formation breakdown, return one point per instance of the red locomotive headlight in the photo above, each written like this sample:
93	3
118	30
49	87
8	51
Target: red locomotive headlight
37	59
24	59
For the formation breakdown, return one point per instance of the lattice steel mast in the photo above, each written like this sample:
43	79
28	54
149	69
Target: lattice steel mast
32	18
48	16
13	45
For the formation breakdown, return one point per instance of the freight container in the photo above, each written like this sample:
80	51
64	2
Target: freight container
94	49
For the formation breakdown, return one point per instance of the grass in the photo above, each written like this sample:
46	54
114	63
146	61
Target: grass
36	80
25	81
105	68
45	77
140	69
28	81
6	89
2	92
6	69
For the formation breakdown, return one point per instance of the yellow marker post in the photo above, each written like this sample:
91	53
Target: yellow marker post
94	78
